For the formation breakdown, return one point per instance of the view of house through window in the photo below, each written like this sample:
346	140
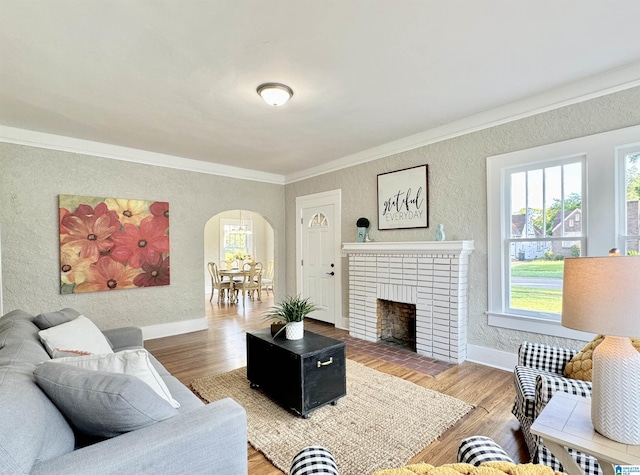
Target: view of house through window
631	231
546	226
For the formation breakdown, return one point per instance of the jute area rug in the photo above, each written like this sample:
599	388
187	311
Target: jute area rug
382	422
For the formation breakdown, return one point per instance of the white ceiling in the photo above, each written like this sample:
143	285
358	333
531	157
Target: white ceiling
179	77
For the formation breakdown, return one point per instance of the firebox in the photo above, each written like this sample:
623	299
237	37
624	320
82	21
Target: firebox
397	323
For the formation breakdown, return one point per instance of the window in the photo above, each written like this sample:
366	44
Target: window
550	203
630	211
236	239
318	220
542	198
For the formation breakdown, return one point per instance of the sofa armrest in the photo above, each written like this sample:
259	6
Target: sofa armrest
548	385
125	338
544	357
210	440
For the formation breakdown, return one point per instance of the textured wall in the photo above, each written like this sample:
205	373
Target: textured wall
458	193
31	180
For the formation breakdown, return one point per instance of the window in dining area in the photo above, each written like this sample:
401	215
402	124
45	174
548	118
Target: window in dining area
237	239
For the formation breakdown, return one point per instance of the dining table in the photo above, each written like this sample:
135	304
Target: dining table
231	274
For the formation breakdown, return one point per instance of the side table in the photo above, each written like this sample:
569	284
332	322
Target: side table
566	422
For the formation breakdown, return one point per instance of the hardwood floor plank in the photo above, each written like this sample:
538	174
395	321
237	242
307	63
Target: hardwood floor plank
222	348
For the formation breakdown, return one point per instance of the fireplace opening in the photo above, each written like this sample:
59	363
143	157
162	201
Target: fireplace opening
397	324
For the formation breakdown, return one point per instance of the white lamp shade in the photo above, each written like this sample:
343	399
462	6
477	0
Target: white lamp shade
602	295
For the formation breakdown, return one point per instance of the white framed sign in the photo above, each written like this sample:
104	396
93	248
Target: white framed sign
403	198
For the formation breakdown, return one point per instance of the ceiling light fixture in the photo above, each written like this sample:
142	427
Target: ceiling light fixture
275	94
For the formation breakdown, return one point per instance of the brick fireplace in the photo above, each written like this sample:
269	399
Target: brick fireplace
430	275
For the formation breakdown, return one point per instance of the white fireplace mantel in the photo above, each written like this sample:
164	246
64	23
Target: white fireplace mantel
410	247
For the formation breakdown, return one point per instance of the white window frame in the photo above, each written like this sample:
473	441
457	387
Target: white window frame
621	210
600	202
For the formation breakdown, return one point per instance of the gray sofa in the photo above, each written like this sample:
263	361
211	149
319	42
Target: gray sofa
35	438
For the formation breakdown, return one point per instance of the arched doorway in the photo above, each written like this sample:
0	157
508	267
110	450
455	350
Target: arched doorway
236	234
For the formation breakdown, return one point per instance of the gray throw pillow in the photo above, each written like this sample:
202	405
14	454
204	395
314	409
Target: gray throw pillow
52	319
100	403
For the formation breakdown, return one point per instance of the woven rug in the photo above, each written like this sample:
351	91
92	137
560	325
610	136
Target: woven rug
382	422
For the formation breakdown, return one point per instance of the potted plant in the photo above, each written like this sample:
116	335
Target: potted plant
291	311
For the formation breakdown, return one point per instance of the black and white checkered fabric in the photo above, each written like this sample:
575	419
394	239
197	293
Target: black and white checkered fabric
479	449
525	382
547	385
544	357
587	463
313	459
537	378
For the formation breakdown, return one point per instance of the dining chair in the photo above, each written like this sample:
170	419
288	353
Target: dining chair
217	283
251	282
267	278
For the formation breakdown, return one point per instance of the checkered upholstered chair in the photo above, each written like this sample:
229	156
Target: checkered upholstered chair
538	376
479	449
313	460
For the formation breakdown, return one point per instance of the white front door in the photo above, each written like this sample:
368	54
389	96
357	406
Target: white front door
319	263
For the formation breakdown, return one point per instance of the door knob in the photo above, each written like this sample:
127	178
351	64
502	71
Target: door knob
331	273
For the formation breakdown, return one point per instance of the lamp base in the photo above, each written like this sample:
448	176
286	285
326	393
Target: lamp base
615	411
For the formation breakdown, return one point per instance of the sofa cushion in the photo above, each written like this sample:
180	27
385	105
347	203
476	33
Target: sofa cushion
52	319
131	362
581	365
80	334
33	430
100	403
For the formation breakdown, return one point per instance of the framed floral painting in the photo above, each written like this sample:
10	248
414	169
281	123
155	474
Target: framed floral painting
112	244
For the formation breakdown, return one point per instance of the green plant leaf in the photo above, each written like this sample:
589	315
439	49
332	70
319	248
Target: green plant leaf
291	309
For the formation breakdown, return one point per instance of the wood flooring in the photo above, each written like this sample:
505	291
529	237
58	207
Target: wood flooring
221	348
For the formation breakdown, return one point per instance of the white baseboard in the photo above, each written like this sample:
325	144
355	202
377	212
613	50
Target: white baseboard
174	328
490	357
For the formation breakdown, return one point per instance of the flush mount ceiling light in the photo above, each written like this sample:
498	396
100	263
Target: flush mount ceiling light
275	94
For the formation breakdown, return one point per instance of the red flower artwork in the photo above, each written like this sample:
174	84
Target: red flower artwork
156	273
112	244
88	235
146	242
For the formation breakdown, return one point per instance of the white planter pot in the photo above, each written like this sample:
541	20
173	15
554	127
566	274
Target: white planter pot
294	330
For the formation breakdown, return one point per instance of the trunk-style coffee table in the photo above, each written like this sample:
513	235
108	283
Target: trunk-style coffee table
301	375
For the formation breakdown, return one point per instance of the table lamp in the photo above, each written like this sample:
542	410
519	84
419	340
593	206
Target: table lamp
602	295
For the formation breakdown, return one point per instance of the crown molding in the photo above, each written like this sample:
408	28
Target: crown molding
580	91
116	152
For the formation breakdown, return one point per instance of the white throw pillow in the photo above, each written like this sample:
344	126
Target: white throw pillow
78	335
131	362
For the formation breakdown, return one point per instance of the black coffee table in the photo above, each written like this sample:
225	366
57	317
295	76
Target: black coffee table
301	375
